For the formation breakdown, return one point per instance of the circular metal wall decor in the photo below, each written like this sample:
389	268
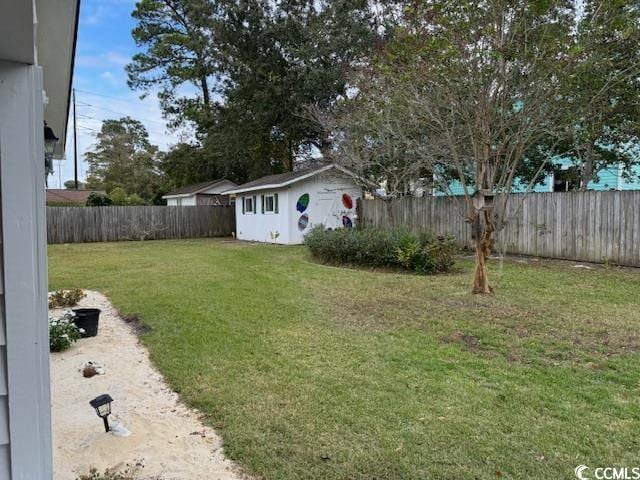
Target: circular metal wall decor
303	221
347	201
303	202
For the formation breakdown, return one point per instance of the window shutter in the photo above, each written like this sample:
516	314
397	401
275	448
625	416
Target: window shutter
255	206
275	203
262	203
243	205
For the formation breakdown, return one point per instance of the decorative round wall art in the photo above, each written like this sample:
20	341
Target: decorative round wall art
303	202
346	222
303	221
347	201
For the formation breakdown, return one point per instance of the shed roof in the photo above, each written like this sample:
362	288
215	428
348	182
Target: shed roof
284	179
196	188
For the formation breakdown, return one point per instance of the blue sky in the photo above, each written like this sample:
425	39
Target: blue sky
104	48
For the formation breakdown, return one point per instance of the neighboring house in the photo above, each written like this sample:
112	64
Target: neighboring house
37	41
607	179
64	197
283	208
203	193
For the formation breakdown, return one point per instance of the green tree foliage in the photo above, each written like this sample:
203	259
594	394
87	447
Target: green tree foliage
263	62
124	158
71	185
187	163
119	197
179	51
604	88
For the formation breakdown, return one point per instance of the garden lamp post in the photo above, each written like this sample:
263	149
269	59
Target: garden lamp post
50	141
102	405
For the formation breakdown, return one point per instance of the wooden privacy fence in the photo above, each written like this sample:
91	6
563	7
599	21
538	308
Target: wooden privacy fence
582	226
110	224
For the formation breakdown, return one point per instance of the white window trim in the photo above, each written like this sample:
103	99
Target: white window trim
253	207
273	204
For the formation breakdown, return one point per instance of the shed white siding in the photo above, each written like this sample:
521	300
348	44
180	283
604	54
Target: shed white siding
325	207
189	201
325	202
263	227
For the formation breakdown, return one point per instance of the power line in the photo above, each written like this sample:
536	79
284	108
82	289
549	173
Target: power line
112	97
103	95
84	104
88	128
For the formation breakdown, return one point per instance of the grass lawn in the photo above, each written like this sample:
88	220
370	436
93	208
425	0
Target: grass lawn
316	372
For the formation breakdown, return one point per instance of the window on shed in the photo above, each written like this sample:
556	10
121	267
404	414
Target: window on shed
249	206
269	204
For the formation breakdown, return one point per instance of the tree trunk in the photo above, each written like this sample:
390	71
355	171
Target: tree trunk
206	98
484	244
586	173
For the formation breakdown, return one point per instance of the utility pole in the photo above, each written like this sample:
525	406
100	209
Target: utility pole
75	142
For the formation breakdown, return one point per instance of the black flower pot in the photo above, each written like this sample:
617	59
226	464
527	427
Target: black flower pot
87	320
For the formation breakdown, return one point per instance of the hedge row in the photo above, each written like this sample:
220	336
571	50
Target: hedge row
423	253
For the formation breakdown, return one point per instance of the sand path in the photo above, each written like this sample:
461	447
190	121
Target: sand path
168	437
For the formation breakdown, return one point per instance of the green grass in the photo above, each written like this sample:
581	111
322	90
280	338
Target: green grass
316	372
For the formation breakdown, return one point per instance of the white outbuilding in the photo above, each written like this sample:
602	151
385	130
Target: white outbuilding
284	208
209	193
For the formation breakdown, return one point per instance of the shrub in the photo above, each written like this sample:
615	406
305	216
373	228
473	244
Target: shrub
98	200
119	197
423	253
66	298
427	256
62	332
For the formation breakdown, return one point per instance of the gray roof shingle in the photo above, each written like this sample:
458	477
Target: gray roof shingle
196	187
280	179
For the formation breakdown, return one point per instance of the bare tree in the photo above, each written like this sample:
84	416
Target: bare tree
472	92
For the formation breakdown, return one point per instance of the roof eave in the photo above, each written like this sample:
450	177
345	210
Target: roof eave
177	195
281	184
56	38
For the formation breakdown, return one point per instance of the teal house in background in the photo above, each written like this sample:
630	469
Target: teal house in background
607	179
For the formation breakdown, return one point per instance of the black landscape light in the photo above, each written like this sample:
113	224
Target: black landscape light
102	405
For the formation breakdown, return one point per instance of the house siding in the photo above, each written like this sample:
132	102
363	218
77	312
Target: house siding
608	179
632	183
25	409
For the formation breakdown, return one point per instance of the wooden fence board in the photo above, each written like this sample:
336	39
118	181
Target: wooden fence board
111	224
582	226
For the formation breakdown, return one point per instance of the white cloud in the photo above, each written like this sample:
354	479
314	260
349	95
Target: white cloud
106	59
